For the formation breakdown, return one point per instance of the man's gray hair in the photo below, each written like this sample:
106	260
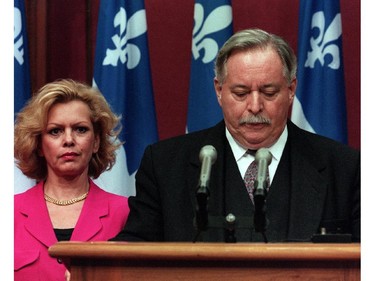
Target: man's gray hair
250	39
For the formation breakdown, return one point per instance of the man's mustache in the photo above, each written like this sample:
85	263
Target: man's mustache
254	119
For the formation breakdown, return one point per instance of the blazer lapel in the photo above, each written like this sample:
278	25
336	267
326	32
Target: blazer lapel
38	222
89	222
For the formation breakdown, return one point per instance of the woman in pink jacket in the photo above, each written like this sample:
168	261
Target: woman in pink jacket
66	135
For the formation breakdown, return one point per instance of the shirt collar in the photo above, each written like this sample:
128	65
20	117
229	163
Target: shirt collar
276	149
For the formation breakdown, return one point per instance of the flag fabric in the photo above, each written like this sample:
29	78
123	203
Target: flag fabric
320	105
122	74
213	25
22	88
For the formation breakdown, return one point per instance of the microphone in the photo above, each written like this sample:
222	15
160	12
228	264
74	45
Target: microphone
263	158
207	156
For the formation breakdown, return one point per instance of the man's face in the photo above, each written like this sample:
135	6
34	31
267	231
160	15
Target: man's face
255	97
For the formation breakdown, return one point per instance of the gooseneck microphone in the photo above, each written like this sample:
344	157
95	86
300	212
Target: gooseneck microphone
207	156
263	158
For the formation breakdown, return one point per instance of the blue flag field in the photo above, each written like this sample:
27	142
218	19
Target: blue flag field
22	88
122	74
212	27
320	104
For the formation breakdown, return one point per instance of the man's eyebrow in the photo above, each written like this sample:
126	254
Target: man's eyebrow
270	85
241	86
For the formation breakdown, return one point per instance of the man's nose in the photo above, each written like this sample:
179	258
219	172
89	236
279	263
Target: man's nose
254	102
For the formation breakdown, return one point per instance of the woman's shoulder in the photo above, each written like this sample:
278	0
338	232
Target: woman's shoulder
98	191
29	193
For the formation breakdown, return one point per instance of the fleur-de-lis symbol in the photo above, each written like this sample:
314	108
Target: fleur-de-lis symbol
322	45
218	19
124	51
18	38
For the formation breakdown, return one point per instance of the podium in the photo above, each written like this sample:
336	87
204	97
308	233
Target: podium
209	261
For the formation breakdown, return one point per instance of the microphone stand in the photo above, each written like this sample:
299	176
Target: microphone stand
230	237
260	220
201	219
207	156
263	158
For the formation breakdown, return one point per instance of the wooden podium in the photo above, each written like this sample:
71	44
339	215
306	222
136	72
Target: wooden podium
209	261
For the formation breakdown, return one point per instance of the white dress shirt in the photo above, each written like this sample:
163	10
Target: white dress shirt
244	159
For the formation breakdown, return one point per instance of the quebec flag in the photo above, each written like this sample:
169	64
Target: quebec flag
122	74
320	105
212	27
22	88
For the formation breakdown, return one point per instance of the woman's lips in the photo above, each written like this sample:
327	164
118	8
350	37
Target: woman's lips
69	155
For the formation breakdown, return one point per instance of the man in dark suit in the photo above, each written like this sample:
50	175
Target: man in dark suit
314	181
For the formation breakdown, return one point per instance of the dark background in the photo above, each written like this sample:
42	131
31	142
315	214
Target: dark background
62	36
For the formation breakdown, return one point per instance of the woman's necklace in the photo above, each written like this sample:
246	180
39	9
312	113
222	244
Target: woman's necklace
65	202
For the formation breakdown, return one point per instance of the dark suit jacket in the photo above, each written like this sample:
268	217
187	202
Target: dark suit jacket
317	184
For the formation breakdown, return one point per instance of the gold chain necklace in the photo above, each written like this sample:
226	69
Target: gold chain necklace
65	202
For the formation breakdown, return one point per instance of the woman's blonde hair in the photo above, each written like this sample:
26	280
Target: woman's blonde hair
32	121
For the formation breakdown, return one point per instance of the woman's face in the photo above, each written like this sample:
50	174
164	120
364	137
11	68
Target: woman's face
68	142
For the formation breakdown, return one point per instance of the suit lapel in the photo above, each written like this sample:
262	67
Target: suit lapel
303	189
278	200
308	187
227	190
237	199
216	138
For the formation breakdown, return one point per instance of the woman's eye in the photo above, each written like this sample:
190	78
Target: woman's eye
82	130
54	131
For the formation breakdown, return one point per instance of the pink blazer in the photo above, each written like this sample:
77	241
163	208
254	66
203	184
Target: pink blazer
103	215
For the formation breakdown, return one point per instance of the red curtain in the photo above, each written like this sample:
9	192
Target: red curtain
62	36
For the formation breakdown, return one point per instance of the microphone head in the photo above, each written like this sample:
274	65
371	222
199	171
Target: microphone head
208	151
263	153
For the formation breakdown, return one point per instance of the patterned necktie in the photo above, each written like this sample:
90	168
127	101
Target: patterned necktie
251	175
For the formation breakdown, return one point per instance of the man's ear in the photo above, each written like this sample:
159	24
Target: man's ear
218	89
292	90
